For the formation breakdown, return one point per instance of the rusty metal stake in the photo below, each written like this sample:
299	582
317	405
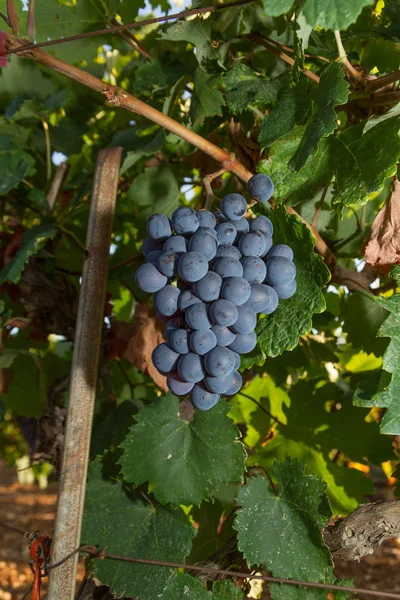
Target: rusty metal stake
62	581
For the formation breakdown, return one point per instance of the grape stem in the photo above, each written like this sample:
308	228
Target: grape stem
12	17
206	182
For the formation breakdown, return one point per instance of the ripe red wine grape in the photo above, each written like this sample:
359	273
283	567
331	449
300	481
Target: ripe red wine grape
152	257
148	245
228	267
204	242
177	385
197	316
244	343
159	227
223	312
237	360
176	243
206	218
261	297
246	321
228	251
190	368
236	384
219	385
262	224
260	186
192	266
280	250
186	299
179	341
202	399
253	243
254	269
219	362
173	324
226	233
166	300
167	263
236	290
149	279
280	270
164	358
208	287
286	290
223	334
233	207
202	341
185	221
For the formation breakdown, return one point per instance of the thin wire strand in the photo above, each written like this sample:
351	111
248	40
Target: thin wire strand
14	529
93	553
117	28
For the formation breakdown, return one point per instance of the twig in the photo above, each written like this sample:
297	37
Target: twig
45	126
12	17
4	17
382	99
126	261
94	552
114	29
206	182
256	37
314	222
130	39
375	84
262	408
343	56
289	49
14	529
31	27
73	237
85	362
56	185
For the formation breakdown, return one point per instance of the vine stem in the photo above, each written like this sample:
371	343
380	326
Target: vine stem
12	17
56	184
31	27
343	55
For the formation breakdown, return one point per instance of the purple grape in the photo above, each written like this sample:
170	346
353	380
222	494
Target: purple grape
164	358
219	362
177	385
153	256
218	385
192	266
224	335
244	343
242	226
286	290
204	242
280	270
159	227
171	325
149	279
206	218
260	186
228	267
268	245
262	224
148	245
236	290
190	368
203	341
226	233
185	221
202	399
179	341
208	287
228	251
262	297
175	243
246	321
237	361
233	207
236	385
223	312
166	300
196	317
186	299
280	250
252	244
167	263
254	269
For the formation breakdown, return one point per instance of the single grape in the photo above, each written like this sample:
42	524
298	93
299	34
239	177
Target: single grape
203	241
252	244
218	385
148	245
211	232
185	221
177	385
262	224
237	360
203	341
262	298
260	186
286	290
208	287
153	256
196	317
254	269
219	216
226	233
166	300
192	266
246	321
228	267
244	342
219	362
171	325
176	243
149	279
167	263
280	270
280	250
268	246
164	358
206	218
223	312
161	318
228	251
159	227
179	341
186	299
233	206
190	368
236	385
236	290
242	225
202	399
224	335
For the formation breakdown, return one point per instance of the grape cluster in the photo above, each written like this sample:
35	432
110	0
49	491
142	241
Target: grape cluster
211	274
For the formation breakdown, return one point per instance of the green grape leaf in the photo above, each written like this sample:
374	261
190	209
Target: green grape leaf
13	135
154	191
184	461
207	100
131	526
27	391
332	91
292	107
225	590
15	165
275	8
110	426
360	307
244	87
294	186
293	317
281	528
33	240
365	159
196	32
334	14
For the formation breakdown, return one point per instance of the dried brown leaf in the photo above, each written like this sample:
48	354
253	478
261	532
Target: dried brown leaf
147	334
382	251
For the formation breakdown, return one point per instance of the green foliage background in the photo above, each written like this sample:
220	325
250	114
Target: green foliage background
320	400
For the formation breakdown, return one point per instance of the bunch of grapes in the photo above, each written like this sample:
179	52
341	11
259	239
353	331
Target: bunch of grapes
211	274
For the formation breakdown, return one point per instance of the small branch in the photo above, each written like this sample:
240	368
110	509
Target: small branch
314	222
74	238
383	99
320	245
256	37
130	39
343	56
56	185
206	183
363	530
12	17
114	29
376	84
126	261
31	27
4	17
48	146
291	50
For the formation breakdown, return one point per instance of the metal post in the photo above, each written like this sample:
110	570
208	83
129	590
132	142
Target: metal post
62	580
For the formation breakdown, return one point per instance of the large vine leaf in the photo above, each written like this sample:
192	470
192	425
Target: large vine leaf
33	239
333	90
388	397
281	528
333	14
131	526
207	100
196	32
293	317
15	165
295	186
364	159
183	461
244	86
154	191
